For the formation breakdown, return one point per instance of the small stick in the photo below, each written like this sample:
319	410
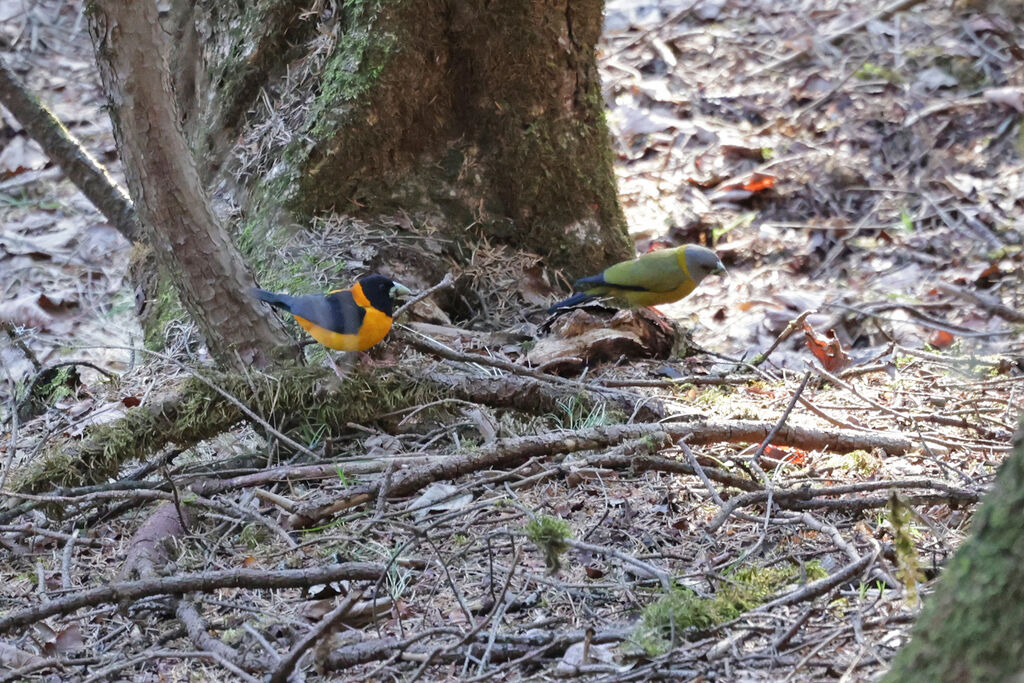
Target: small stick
792	327
291	660
782	420
995	307
446	281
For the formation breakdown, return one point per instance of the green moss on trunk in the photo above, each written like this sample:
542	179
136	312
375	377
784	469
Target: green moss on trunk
303	400
972	628
468	114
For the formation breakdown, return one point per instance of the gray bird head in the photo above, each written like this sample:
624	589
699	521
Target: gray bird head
701	262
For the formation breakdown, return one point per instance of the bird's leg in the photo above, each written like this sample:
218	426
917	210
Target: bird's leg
346	360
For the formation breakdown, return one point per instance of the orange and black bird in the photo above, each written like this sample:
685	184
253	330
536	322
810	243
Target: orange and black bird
352	319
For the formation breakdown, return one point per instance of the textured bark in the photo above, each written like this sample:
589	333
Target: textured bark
972	627
175	214
477	120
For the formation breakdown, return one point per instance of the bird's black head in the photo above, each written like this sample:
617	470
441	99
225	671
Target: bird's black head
381	291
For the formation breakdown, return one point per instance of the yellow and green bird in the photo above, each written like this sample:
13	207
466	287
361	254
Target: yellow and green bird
658	277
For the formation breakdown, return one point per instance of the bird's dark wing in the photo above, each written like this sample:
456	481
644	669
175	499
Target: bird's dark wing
337	312
594	281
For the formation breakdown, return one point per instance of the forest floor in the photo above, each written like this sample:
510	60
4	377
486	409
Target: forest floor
861	175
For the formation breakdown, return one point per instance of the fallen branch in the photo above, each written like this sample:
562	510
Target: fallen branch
880	15
511	452
820	587
285	667
990	305
63	149
808	498
545	642
253	579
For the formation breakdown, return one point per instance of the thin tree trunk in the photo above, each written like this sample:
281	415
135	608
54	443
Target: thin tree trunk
65	150
172	206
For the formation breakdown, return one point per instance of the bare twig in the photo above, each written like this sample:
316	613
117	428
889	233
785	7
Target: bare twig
883	13
291	660
446	281
794	325
990	305
782	420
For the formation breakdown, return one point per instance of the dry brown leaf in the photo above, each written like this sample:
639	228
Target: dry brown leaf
828	350
941	339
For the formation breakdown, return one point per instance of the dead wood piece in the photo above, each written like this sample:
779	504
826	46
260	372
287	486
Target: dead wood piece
821	586
810	498
884	13
807	438
327	623
582	339
253	579
502	453
64	149
147	550
196	626
505	646
363	652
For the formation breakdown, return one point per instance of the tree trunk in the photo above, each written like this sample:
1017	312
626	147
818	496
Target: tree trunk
476	122
972	627
189	242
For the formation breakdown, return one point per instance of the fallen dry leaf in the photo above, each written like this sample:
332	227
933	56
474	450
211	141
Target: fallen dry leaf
828	350
941	339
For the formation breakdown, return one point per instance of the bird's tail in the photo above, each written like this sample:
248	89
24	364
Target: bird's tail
577	298
278	300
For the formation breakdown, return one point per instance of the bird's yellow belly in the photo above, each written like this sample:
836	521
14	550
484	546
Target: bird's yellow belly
637	298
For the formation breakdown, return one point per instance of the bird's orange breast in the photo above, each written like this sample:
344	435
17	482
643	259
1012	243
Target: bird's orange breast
374	328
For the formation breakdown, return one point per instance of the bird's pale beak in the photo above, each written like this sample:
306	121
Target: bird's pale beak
400	291
720	270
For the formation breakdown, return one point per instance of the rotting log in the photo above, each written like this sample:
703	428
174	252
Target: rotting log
195	411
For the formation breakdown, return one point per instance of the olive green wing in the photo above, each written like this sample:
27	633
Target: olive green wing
658	271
